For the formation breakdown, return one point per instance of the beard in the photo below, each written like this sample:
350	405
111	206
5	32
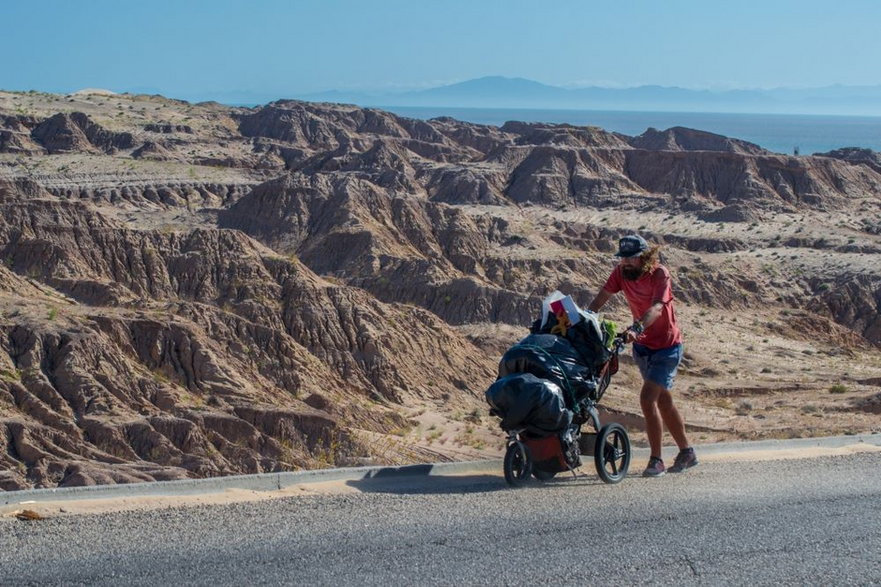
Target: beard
631	273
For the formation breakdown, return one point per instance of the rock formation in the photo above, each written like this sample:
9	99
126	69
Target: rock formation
200	290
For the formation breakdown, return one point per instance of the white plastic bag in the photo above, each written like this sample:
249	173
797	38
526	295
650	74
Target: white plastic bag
556	303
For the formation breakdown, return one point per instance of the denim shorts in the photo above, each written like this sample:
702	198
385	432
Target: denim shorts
658	366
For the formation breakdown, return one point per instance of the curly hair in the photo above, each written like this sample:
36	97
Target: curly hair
650	259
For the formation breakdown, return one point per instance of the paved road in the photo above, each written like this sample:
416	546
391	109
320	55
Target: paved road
811	521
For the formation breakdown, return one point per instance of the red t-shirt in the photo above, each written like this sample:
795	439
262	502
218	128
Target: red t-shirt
641	294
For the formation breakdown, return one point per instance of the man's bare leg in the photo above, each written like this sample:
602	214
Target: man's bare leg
658	409
648	401
672	419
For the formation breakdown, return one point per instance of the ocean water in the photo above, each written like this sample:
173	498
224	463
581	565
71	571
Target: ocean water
781	133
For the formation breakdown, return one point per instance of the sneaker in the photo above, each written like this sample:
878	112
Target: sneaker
655	468
686	459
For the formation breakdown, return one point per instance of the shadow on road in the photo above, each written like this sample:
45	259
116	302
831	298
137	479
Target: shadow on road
429	484
461	484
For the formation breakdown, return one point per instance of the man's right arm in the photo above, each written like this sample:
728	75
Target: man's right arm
600	300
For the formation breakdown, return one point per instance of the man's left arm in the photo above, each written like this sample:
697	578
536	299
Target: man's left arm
663	295
644	321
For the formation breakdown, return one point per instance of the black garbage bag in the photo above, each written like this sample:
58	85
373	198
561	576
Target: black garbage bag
590	344
523	400
552	357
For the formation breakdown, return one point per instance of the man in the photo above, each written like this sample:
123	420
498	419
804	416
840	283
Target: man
657	344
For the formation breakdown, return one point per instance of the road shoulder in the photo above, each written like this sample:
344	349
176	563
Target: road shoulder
48	503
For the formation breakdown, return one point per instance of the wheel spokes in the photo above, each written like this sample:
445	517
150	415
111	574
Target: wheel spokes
618	443
614	463
612	457
615	452
609	458
519	462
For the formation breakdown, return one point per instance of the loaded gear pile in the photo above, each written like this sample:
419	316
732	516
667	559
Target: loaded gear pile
550	383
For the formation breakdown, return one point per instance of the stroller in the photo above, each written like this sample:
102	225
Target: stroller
548	388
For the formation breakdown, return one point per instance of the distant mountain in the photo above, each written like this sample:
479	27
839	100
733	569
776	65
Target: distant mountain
504	92
514	91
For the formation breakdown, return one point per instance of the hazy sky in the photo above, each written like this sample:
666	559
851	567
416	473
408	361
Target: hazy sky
200	49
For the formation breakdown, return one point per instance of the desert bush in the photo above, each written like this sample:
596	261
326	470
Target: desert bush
744	407
10	376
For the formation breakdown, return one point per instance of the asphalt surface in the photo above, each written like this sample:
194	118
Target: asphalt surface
805	521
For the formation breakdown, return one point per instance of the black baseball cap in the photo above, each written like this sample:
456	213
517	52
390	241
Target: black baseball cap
631	246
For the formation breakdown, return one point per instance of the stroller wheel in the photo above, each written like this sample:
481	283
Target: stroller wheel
612	453
518	464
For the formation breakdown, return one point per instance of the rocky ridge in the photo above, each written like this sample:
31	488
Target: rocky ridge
198	290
